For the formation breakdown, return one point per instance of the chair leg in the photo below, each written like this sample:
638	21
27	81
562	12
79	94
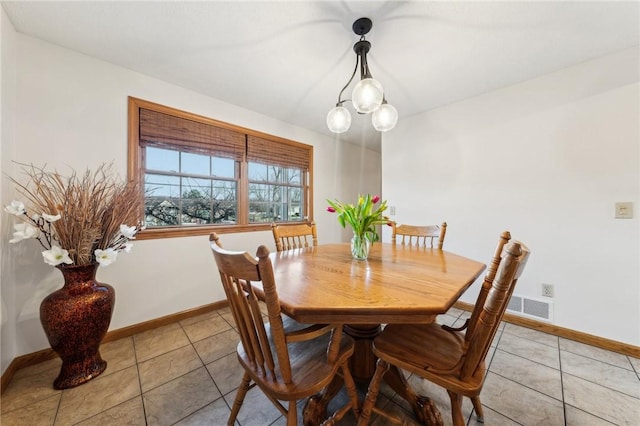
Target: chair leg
456	408
477	406
372	393
350	385
242	392
292	414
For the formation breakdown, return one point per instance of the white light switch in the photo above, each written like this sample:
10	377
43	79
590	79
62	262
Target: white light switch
624	210
392	210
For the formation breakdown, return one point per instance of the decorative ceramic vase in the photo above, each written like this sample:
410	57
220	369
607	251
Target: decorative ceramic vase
360	246
75	319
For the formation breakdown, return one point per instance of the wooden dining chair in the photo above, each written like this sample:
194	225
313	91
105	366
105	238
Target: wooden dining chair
424	236
447	357
288	237
287	365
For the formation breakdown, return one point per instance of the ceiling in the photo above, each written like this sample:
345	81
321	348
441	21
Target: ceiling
289	60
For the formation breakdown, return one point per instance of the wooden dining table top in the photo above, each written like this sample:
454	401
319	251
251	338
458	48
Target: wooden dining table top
397	284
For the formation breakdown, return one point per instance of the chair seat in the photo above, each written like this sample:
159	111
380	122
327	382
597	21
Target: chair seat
310	370
417	348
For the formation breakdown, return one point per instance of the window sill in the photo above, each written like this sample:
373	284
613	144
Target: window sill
187	231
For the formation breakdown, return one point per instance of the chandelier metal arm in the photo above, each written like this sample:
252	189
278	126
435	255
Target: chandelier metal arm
340	101
364	68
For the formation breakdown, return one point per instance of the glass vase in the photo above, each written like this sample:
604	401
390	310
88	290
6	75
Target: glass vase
360	246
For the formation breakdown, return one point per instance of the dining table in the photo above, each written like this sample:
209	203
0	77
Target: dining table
396	284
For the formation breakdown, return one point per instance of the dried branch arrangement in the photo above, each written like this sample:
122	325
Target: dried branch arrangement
78	219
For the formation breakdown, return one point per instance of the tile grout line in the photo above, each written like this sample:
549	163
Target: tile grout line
209	373
135	357
603	386
564	404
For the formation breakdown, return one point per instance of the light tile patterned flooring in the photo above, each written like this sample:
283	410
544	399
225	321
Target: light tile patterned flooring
186	373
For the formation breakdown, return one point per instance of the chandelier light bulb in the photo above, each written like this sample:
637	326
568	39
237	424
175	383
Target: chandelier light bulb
367	95
385	117
339	119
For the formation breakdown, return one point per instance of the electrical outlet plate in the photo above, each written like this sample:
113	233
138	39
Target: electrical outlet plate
547	290
624	210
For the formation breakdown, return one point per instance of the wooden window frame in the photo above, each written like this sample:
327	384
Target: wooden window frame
135	171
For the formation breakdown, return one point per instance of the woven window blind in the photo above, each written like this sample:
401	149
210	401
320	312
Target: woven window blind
261	150
170	132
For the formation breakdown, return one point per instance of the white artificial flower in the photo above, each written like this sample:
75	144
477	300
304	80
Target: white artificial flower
50	218
127	247
56	256
128	231
24	231
106	257
15	208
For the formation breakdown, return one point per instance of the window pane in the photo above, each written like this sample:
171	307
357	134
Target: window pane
193	188
162	159
294	176
162	186
225	212
161	207
260	212
207	201
258	172
196	201
266	203
274	174
295	204
224	190
257	192
195	164
224	167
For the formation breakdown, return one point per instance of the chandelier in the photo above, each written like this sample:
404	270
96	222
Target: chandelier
367	95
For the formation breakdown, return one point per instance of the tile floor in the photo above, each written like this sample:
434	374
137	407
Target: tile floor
186	373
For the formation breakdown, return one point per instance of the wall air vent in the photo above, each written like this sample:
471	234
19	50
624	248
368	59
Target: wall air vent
539	309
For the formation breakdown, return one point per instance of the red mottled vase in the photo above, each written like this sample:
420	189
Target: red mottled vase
75	319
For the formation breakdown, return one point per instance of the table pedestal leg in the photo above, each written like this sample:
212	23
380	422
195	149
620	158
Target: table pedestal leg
362	365
424	409
315	409
363	362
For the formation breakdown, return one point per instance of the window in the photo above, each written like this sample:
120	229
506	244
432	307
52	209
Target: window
202	175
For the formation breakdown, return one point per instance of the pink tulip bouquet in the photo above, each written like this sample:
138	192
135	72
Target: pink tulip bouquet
362	217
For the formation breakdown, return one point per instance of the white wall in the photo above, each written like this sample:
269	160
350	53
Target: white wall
546	159
360	173
7	96
72	111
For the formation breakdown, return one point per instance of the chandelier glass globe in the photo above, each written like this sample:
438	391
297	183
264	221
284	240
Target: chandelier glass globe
367	95
385	117
339	119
